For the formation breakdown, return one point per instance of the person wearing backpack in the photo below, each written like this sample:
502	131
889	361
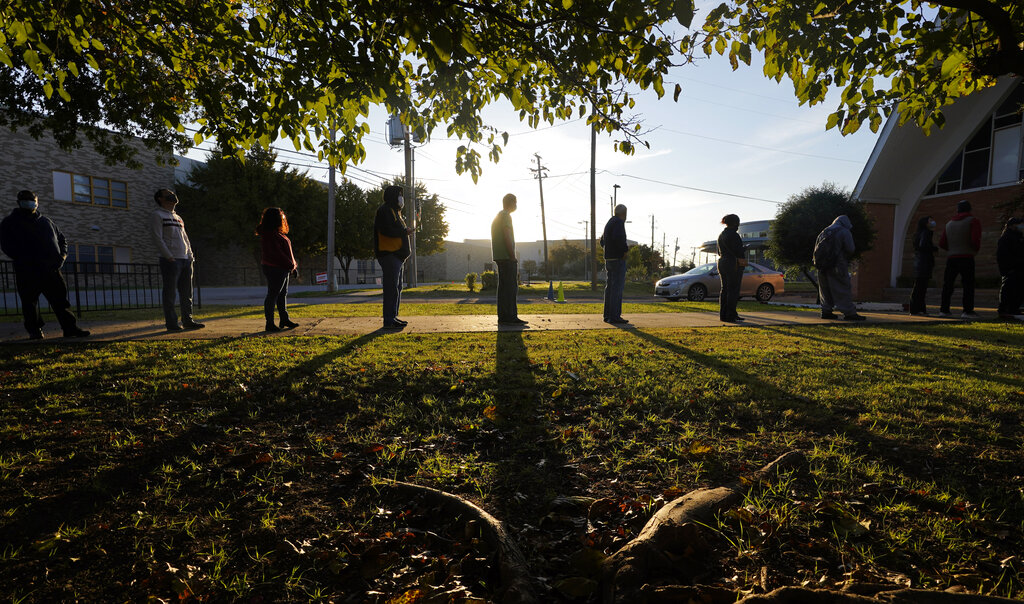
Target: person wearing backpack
832	252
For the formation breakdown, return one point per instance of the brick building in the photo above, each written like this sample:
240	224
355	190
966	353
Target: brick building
976	156
103	210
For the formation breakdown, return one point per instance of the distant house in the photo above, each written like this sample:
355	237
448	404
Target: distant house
103	210
976	156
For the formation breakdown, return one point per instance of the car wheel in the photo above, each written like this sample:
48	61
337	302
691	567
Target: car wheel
697	292
673	299
765	291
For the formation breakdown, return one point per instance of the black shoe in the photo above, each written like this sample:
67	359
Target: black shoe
174	328
192	325
401	322
35	335
829	315
74	333
289	324
393	325
854	317
513	323
272	327
617	321
737	318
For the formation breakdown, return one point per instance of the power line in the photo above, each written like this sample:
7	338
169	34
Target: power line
774	149
678	186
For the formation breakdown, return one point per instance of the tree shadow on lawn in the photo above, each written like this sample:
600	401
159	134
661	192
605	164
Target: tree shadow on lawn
818	418
41	518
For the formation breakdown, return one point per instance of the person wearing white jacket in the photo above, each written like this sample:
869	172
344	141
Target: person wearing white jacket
176	260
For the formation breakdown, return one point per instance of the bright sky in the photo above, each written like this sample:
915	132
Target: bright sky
731	137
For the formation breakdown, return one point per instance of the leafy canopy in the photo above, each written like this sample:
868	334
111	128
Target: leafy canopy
799	221
912	56
253	72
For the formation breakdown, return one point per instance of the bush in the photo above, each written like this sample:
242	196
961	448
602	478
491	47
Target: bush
471	281
488	280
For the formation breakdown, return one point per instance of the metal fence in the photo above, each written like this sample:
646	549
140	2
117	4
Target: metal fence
98	286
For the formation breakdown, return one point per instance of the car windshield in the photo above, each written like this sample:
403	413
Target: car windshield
701	270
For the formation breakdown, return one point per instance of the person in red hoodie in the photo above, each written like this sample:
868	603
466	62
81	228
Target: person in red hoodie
277	261
962	239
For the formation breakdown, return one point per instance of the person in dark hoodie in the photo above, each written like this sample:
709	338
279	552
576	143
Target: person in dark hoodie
1010	257
391	247
832	252
962	239
732	261
924	264
38	250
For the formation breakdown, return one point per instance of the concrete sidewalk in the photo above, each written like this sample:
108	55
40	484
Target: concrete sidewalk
231	327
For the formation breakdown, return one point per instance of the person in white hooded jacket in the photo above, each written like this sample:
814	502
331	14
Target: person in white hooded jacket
832	252
176	260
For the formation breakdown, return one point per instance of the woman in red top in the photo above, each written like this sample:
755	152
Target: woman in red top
278	262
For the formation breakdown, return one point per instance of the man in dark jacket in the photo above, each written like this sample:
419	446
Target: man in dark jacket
391	246
1010	257
615	247
962	238
834	286
38	250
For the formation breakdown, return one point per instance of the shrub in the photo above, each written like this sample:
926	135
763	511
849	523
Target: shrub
488	280
470	281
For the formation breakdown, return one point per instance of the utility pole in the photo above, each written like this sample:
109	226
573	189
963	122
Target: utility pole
410	195
652	244
593	202
332	285
539	171
675	252
615	198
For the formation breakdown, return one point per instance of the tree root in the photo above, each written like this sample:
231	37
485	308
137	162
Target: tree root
516	585
673	536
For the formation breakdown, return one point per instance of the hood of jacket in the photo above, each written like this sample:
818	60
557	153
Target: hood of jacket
842	221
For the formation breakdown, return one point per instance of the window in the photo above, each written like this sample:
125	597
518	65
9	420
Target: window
97	258
80	188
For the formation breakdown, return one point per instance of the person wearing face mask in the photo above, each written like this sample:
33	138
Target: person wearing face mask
924	264
391	247
1010	257
38	250
962	239
176	260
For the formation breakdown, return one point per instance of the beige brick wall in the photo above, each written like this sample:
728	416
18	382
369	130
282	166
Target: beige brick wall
27	163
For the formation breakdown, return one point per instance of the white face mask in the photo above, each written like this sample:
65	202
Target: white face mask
401	202
28	204
931	224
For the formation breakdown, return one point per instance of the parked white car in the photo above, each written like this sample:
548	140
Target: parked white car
759	281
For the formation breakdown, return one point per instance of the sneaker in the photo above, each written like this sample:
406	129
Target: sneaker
945	314
969	315
35	335
76	333
192	325
854	317
829	315
618	321
393	325
272	327
401	322
513	323
175	327
289	324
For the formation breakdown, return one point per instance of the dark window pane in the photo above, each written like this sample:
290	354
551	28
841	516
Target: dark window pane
87	258
72	256
975	169
1012	104
952	171
105	256
983	138
116	185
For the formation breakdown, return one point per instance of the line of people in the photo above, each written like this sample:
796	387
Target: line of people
961	238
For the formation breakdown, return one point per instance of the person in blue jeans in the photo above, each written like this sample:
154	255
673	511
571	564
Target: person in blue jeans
391	247
613	240
277	261
176	260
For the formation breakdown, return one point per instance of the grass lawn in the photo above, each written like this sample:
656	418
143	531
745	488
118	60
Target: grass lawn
248	468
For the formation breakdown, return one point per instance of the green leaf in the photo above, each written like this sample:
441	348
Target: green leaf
48	90
567	4
32	59
684	12
675	95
